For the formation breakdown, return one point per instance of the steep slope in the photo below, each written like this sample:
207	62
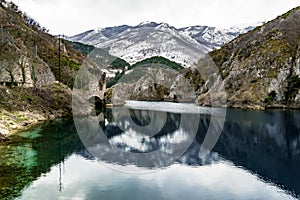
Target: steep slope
261	68
25	44
29	60
95	53
148	39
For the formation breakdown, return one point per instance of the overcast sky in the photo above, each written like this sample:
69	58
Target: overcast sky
71	17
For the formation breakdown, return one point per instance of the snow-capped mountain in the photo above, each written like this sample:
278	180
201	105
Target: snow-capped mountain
216	37
135	43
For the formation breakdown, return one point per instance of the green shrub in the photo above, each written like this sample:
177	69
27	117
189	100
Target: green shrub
119	63
293	86
158	60
29	98
114	80
271	97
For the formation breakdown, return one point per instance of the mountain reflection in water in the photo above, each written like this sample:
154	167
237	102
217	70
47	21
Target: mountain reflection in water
256	157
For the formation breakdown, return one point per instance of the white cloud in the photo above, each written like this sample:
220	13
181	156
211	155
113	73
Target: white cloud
75	16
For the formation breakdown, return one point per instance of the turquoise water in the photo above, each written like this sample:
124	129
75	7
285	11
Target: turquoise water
256	157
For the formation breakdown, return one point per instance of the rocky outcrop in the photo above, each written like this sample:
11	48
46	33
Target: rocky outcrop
152	84
20	67
3	133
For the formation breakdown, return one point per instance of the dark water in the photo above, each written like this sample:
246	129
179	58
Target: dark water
256	157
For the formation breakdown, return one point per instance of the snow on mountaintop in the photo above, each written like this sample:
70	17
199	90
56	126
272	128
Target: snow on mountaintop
216	37
184	45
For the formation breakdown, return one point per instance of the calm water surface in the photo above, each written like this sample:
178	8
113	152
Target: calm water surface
256	157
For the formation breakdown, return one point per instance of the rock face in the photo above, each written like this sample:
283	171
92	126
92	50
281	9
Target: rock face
153	84
3	132
261	68
20	68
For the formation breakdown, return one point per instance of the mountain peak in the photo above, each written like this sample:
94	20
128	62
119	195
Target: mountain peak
164	25
147	24
150	24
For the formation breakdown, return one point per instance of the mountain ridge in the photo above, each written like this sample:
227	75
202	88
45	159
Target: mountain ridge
132	43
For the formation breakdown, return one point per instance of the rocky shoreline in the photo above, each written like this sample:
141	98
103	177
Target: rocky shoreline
22	108
12	122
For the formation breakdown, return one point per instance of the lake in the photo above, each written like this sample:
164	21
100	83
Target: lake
155	150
